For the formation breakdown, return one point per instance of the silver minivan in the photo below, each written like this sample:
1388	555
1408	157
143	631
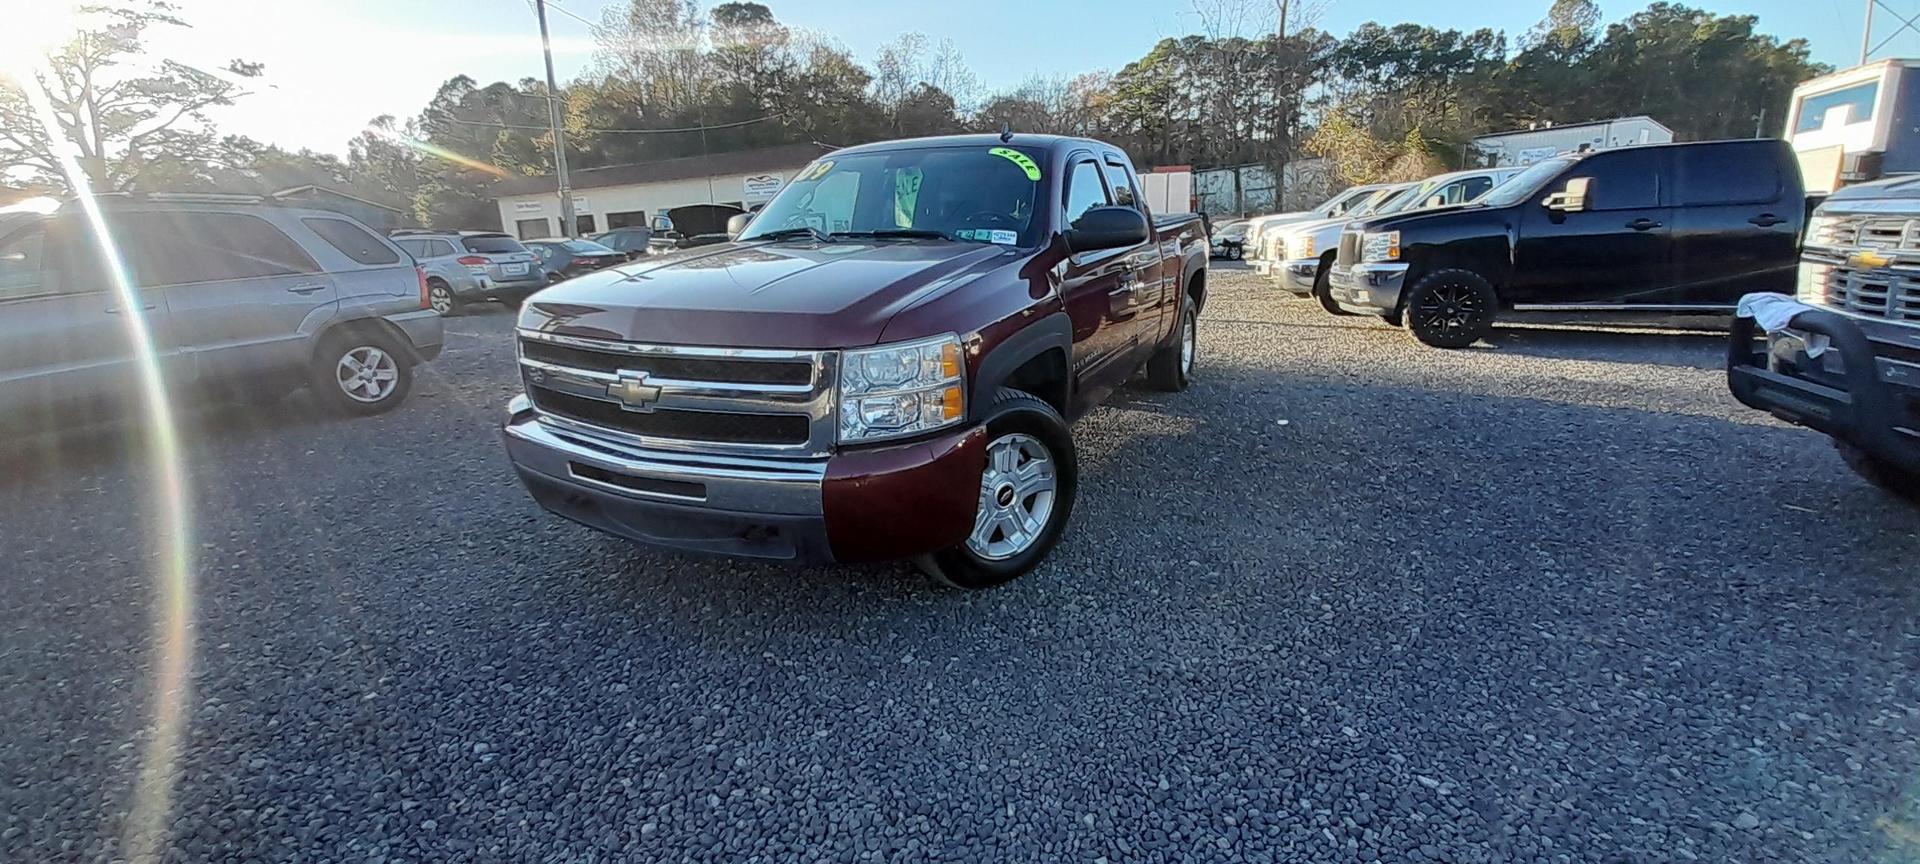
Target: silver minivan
240	296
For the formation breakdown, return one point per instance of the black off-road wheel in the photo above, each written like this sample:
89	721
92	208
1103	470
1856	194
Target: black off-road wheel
1027	490
1171	367
1450	308
1890	478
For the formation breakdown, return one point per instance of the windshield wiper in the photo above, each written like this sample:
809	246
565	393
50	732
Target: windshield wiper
909	233
798	231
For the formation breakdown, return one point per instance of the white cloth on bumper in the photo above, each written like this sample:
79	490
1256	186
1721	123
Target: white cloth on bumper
1774	313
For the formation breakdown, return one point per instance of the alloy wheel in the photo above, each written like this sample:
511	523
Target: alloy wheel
1449	309
1017	492
367	374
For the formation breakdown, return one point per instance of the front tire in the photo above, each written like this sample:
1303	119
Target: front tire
1450	308
361	373
1890	478
1323	291
1027	489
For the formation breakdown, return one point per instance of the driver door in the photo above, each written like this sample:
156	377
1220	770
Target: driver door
1097	288
1614	251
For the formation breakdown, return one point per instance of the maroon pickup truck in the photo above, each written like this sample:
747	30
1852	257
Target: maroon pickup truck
881	364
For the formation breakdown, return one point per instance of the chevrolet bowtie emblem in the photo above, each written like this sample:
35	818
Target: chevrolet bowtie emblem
1868	258
633	392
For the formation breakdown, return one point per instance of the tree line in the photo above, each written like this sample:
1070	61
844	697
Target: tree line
669	79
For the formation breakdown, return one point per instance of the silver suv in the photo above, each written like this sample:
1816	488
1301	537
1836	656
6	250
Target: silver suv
469	266
240	297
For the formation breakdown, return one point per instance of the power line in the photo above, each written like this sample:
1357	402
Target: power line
618	131
594	25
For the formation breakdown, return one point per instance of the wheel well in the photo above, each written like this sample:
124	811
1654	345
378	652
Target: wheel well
433	279
1197	289
377	326
1045	376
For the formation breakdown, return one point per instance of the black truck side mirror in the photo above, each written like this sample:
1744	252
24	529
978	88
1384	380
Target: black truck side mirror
1107	228
1571	198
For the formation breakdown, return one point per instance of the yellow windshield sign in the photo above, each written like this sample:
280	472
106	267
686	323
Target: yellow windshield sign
1018	158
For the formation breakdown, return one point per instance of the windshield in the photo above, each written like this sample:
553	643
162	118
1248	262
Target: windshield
985	194
586	247
1338	204
1400	200
624	241
1521	185
1373	202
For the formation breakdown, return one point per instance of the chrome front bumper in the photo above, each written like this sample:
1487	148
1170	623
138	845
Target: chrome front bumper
1298	274
747	506
1368	289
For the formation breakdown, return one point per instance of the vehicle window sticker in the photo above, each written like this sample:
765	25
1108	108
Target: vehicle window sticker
906	194
1018	158
815	171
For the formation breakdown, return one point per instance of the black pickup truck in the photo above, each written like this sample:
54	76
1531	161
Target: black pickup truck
1669	230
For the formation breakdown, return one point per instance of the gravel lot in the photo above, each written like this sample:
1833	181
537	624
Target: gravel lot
1347	599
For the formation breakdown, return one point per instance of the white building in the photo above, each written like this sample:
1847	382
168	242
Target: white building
1527	146
621	195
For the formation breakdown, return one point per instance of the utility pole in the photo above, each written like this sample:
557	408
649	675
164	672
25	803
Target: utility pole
567	227
1866	33
1283	17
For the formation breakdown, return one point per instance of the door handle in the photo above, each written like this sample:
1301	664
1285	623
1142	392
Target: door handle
1643	224
1766	220
115	310
306	289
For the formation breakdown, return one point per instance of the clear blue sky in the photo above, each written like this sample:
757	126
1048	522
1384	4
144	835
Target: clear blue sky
330	71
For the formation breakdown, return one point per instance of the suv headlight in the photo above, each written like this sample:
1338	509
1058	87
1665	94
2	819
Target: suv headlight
1380	246
906	388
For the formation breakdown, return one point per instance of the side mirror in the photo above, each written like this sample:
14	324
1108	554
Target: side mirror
738	224
1435	201
1107	228
1571	198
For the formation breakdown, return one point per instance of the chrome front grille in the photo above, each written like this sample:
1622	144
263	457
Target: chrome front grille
1886	284
1349	254
712	400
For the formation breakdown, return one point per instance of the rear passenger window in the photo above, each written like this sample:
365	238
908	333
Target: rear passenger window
416	248
1626	179
1117	178
1084	191
179	248
352	240
1724	175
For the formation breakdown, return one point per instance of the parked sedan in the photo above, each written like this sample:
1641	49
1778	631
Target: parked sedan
1227	241
565	259
631	240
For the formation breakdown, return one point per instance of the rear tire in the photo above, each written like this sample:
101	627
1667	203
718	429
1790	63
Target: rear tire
440	298
1171	367
1036	458
1890	478
1450	308
361	373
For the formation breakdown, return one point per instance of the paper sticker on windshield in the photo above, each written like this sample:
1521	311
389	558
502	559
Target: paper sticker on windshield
1018	158
1004	238
815	171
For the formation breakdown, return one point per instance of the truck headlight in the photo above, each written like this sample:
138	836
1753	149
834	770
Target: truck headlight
1380	246
1299	246
906	388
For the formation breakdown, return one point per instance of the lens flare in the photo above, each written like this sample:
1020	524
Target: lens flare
438	152
146	828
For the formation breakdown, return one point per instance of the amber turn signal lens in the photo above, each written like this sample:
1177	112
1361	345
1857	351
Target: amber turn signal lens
952	402
949	360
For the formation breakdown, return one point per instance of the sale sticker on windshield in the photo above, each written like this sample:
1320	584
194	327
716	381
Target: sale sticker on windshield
815	171
1018	158
989	235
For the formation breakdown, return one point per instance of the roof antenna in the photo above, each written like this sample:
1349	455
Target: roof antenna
1006	132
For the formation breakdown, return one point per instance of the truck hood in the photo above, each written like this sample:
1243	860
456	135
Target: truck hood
759	295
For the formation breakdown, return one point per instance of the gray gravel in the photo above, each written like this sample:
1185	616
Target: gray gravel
1347	599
